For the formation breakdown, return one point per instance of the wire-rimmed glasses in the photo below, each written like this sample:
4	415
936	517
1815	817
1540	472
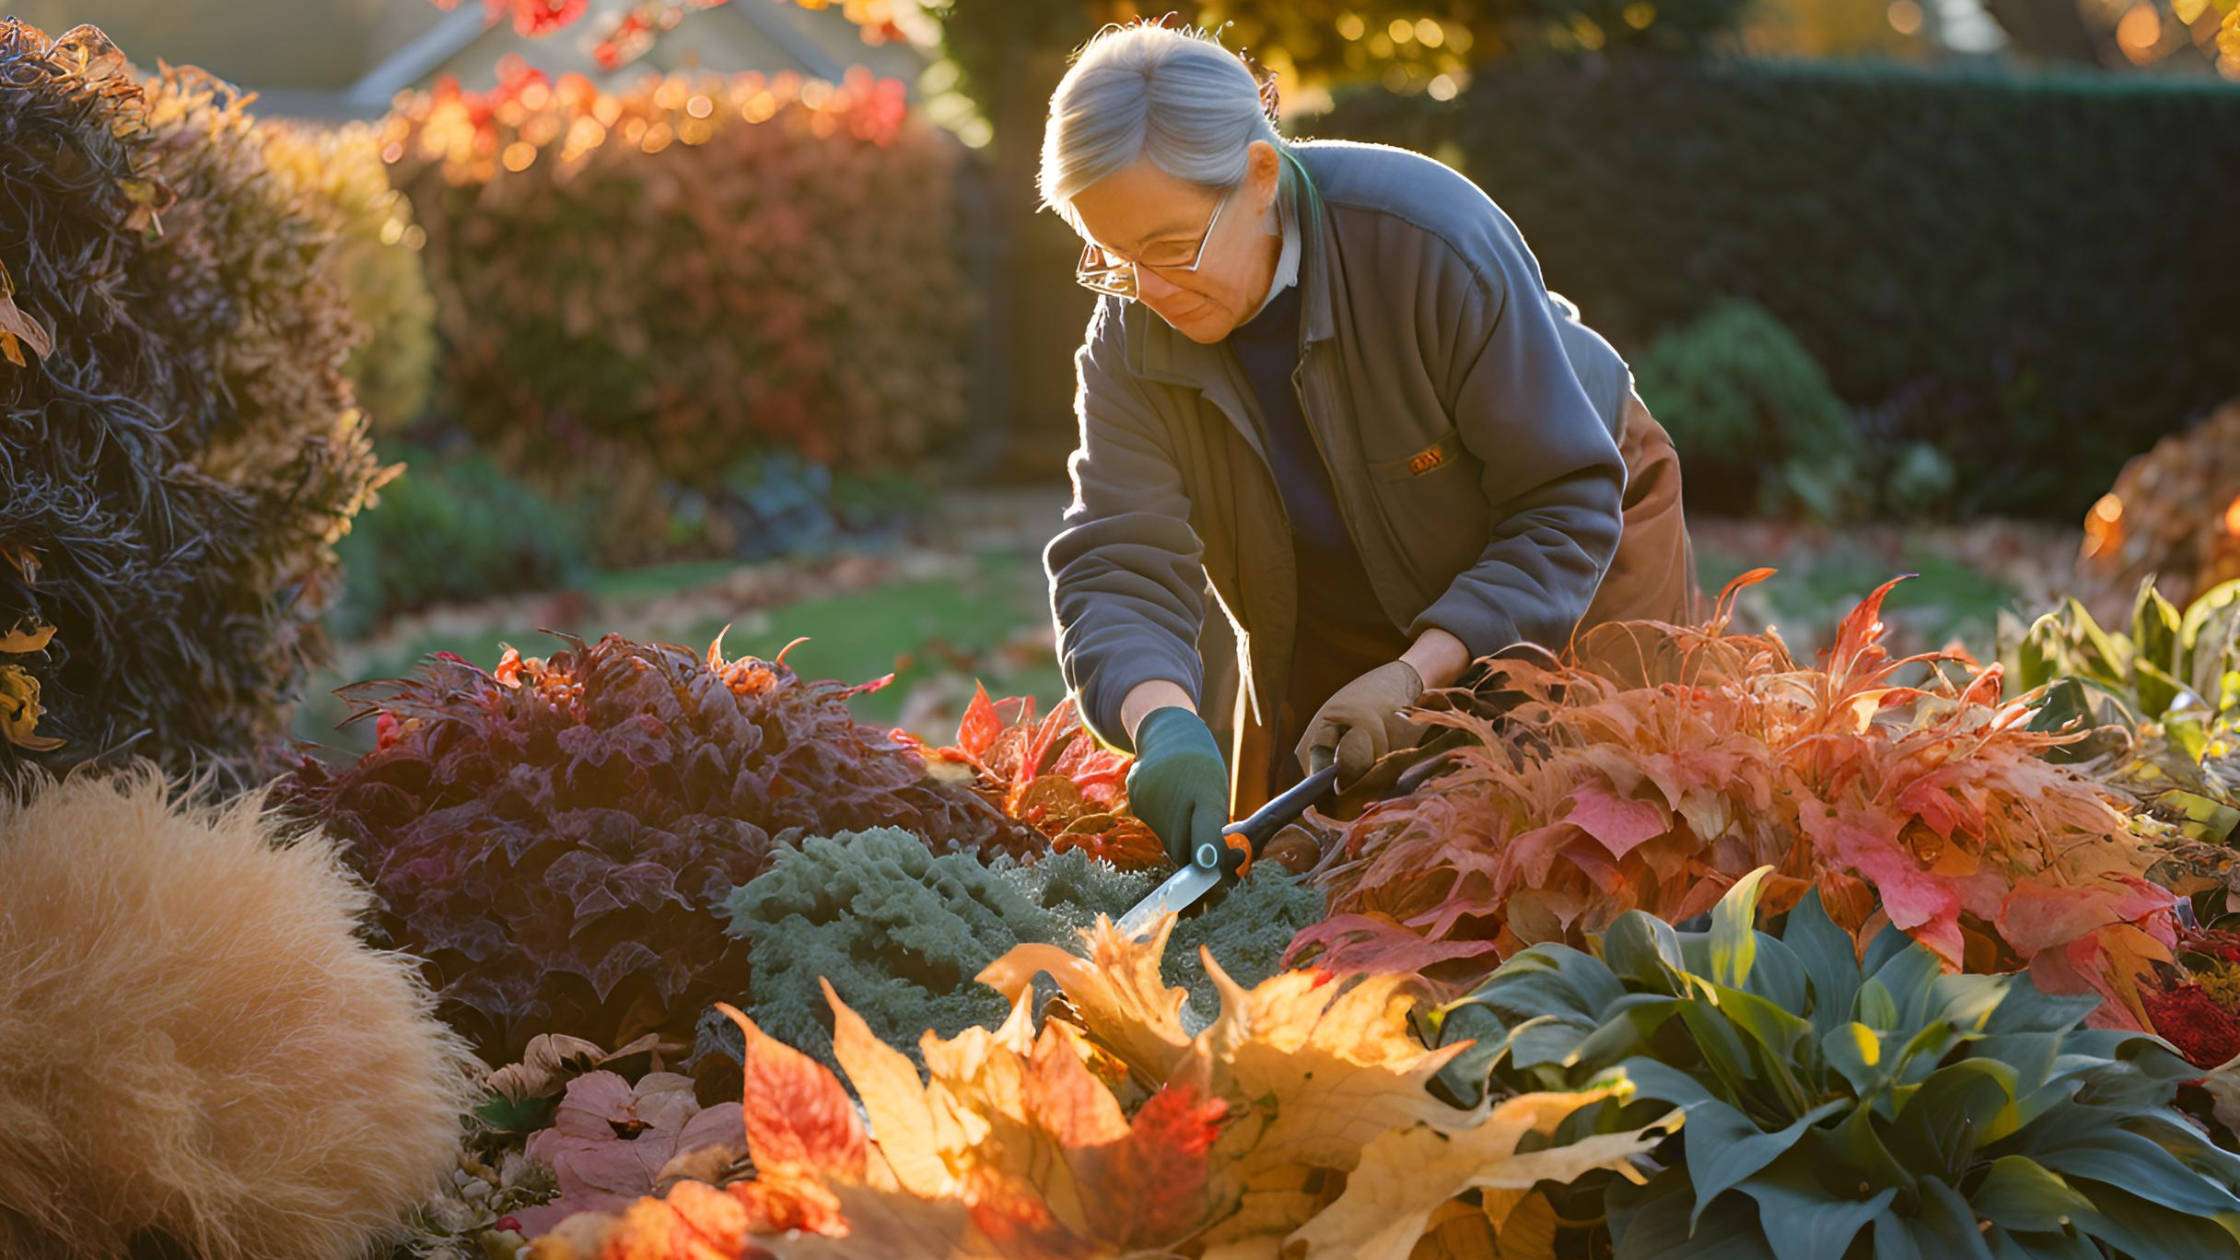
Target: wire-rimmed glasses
1103	272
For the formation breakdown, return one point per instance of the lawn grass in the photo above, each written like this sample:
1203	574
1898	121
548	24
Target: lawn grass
917	630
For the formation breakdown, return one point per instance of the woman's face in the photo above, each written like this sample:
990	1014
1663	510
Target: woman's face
1144	215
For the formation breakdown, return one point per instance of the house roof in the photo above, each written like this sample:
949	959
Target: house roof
333	60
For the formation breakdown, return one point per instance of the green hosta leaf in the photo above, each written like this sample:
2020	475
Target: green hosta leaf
1875	1007
2038	654
1721	1045
2155	659
1945	1229
2006	1246
2158	689
1644	952
1550	980
2204	818
1631	1022
1939	1129
1825	952
1886	945
2135	1164
2139	1229
1856	1051
2022	1196
1652	1222
1664	1083
1909	978
2209	635
2028	1009
1734	937
1802	1219
1857	1146
1779	976
1724	1147
2094	654
1545	1040
1782	1034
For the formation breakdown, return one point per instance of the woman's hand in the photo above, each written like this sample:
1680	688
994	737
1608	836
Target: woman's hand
1363	722
1178	785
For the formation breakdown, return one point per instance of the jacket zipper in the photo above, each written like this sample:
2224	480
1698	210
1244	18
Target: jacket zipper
1345	517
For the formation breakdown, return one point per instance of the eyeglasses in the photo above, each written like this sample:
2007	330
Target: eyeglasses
1103	272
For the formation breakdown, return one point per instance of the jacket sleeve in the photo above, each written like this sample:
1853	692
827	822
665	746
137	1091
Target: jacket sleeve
1553	475
1126	571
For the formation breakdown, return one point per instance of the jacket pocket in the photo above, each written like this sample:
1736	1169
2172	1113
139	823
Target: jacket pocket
1443	453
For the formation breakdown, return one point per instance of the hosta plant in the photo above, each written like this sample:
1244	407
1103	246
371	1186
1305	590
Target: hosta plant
1299	1120
1842	1107
1698	755
898	931
2165	698
1054	775
553	835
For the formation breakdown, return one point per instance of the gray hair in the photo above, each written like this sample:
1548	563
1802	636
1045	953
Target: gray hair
1173	96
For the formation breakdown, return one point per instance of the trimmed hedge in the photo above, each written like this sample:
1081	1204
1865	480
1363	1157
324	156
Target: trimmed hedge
2023	271
662	279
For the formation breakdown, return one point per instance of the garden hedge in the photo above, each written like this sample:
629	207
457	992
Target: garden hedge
661	279
2022	270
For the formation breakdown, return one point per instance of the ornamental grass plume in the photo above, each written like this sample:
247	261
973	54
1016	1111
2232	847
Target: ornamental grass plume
197	1051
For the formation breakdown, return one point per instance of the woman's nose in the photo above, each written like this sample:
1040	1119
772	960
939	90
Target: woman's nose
1154	288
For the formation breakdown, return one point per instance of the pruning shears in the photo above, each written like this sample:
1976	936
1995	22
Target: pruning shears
1190	884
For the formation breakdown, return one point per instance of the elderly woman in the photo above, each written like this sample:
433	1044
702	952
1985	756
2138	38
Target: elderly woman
1326	382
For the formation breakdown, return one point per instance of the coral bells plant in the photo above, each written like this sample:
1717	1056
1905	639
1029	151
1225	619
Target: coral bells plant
1697	755
689	271
1053	775
1298	1121
553	835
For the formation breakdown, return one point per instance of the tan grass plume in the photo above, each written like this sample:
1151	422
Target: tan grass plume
195	1042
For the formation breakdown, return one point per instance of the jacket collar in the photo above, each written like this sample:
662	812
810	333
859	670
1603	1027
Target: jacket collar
1156	352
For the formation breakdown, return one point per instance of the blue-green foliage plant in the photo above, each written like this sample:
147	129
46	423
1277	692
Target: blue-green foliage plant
1840	1108
901	933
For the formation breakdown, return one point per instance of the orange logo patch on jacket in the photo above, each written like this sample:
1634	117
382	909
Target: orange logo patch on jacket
1424	461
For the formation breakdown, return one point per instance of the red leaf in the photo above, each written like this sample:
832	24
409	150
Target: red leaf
1148	1189
799	1118
1619	823
976	734
1350	943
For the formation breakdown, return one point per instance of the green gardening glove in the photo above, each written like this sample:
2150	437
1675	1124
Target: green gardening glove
1178	786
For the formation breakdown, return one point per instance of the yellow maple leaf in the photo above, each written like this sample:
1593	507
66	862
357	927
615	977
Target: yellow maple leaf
1405	1177
1116	990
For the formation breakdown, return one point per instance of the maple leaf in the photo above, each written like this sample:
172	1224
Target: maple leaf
1116	991
1408	1175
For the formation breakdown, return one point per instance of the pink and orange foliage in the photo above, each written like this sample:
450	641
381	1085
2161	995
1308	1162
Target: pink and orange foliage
1690	755
1053	775
1299	1119
663	278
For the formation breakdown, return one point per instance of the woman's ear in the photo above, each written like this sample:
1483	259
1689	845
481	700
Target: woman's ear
1264	168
